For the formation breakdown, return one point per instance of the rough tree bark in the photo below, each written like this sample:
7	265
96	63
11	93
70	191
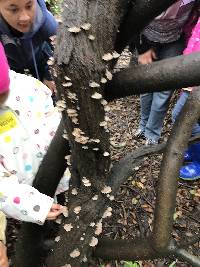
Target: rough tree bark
87	37
87	33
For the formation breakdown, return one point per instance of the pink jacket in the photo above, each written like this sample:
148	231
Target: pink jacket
194	41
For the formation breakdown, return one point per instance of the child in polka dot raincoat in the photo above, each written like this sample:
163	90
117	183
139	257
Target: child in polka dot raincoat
28	121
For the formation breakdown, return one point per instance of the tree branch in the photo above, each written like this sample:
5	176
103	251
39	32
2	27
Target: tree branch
125	167
53	164
172	161
136	249
168	74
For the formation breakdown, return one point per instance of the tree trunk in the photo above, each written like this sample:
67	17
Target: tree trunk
88	32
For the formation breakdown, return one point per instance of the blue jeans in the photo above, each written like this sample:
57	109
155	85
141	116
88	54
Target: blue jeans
154	105
177	109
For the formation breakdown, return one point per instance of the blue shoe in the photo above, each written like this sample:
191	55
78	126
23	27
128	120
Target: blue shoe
188	156
194	150
192	153
190	172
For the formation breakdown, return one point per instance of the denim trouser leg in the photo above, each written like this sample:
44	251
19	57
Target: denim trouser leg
157	103
145	108
157	114
177	109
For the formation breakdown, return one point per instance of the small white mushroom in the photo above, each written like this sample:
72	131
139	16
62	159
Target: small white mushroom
99	228
104	102
115	54
67	78
77	209
107	118
95	141
96	96
103	124
72	96
57	239
103	80
65	212
107	213
86	26
59	221
92	224
93	242
68	84
106	190
94	84
74	192
75	121
74	29
106	154
106	108
95	197
91	37
68	227
61	104
108	75
84	259
50	62
65	136
107	57
111	198
72	112
86	182
75	253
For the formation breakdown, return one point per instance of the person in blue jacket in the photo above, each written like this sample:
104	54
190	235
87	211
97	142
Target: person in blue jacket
25	30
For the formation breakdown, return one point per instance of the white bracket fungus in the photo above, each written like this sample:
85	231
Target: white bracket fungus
75	253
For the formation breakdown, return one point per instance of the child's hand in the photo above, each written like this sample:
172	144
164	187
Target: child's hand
54	212
147	57
51	85
3	256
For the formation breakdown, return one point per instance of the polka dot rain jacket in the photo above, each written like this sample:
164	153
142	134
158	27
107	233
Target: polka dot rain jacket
28	121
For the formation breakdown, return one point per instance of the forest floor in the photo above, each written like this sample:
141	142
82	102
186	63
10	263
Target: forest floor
134	204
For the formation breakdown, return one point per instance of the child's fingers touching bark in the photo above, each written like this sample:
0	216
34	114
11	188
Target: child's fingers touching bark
3	255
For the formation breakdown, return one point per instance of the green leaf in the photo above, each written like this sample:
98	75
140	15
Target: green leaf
131	264
173	264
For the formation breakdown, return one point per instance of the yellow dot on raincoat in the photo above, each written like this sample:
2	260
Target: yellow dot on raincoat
39	83
39	114
7	139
